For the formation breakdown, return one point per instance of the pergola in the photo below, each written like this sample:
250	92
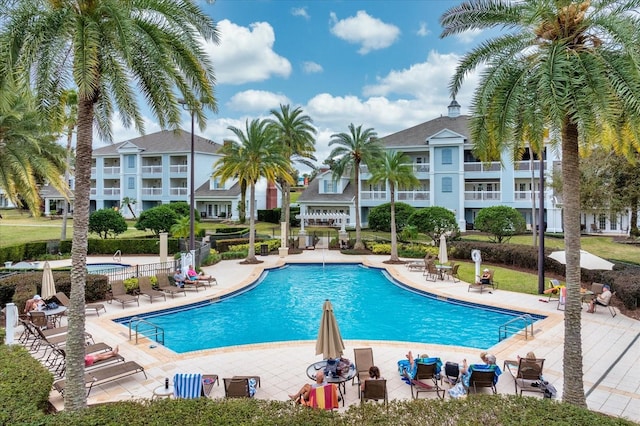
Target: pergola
324	218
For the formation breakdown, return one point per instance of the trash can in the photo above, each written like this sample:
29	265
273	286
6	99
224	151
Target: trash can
264	250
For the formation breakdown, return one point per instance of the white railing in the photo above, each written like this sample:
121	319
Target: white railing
111	191
482	167
178	191
412	195
93	170
524	195
482	195
112	170
94	191
419	167
178	168
151	169
151	191
373	195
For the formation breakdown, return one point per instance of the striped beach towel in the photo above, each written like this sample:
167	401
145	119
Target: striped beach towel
187	386
324	397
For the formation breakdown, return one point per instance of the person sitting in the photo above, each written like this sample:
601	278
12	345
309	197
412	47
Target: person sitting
302	396
89	360
602	299
460	389
34	304
374	374
409	367
192	274
179	278
486	277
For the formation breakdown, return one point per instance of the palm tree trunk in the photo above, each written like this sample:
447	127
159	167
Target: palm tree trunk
573	389
63	232
533	199
242	209
394	236
286	208
75	393
251	256
634	216
358	245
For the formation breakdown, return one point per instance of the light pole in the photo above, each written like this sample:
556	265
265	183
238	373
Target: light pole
192	202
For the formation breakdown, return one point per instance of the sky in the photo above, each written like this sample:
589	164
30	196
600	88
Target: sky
376	63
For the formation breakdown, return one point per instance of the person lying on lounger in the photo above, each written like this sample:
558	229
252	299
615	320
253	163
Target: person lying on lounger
89	360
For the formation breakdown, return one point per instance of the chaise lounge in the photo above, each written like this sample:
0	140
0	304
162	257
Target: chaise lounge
105	375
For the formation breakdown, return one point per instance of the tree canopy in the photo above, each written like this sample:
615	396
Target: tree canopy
501	222
434	222
107	222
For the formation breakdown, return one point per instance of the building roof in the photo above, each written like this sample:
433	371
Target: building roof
204	191
311	194
49	191
418	135
166	141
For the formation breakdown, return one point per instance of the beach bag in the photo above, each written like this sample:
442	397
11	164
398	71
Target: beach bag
331	369
52	305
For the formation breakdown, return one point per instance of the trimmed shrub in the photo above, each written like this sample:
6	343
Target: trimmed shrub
380	216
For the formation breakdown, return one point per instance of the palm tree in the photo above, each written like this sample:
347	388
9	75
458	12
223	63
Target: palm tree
112	52
394	167
568	66
66	119
128	201
353	149
254	155
296	136
28	150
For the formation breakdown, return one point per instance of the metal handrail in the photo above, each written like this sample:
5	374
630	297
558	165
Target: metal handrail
157	332
117	256
510	326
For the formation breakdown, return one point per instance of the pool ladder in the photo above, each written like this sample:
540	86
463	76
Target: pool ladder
117	256
514	326
139	326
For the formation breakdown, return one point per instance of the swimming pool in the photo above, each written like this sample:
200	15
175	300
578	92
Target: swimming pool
286	305
99	268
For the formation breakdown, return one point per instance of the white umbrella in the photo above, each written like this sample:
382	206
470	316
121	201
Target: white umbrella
587	260
329	342
442	254
48	286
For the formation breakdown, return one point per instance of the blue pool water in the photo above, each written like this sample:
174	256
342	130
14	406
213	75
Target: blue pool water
287	305
96	268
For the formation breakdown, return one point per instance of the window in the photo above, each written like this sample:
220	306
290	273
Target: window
602	221
131	183
329	187
217	184
131	159
447	184
613	222
447	157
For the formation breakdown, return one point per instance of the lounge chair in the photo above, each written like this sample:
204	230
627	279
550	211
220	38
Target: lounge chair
144	285
363	359
324	397
187	386
64	301
596	288
375	390
526	373
165	285
554	289
562	298
239	387
483	376
480	285
427	369
119	294
89	350
451	373
195	284
105	375
418	265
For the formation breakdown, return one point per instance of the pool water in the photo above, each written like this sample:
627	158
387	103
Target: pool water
286	305
97	268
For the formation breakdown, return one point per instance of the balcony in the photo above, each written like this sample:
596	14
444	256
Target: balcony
482	167
93	170
151	191
524	195
419	167
151	169
93	191
482	195
412	195
177	191
178	168
111	170
373	195
111	191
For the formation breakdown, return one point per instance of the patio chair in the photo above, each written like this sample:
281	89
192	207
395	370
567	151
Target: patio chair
427	369
64	301
119	294
144	284
187	386
453	273
483	376
375	390
526	372
105	375
239	387
451	373
165	285
323	397
195	284
363	359
480	285
431	272
554	289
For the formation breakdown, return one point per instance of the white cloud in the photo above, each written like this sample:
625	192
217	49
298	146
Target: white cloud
300	11
469	36
256	101
246	54
310	67
371	33
423	31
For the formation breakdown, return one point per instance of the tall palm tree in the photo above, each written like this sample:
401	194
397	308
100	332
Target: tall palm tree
66	119
110	52
252	156
351	150
566	65
296	136
394	167
28	150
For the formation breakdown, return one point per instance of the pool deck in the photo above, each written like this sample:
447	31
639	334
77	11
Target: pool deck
610	345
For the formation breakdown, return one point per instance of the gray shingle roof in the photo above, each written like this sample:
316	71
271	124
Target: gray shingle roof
417	135
166	141
204	192
312	194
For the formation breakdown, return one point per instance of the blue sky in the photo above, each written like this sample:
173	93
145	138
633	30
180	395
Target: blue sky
379	63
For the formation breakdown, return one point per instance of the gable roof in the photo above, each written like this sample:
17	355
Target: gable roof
205	191
312	193
418	135
166	141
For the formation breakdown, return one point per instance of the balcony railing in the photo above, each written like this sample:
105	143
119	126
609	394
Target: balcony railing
482	167
93	170
111	191
373	195
412	195
482	195
93	191
111	170
151	169
178	168
524	195
419	167
178	191
151	191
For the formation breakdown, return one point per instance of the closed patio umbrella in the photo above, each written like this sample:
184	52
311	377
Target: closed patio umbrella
442	254
329	342
587	260
48	286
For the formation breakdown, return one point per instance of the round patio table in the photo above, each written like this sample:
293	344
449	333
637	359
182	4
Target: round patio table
339	380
